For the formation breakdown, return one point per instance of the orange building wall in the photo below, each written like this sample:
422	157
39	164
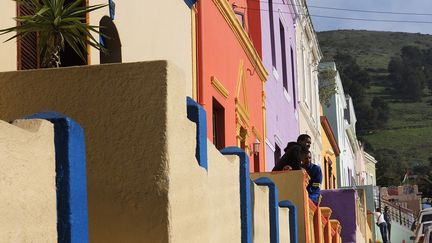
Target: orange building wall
222	57
329	152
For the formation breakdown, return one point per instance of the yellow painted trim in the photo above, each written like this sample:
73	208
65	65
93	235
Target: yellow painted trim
257	134
219	87
242	85
194	54
243	38
242	114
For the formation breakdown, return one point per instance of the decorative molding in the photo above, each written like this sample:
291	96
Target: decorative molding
257	134
243	38
242	114
219	87
270	145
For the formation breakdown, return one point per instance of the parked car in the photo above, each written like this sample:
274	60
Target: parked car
421	230
428	235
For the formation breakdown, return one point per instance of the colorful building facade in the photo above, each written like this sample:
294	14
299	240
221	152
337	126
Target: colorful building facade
308	58
329	153
231	77
279	58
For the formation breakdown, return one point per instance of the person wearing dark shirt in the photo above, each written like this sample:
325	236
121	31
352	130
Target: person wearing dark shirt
294	153
387	218
315	175
292	158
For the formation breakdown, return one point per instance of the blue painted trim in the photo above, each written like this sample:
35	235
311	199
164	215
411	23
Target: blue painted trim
273	207
292	219
111	5
245	193
197	114
190	3
72	212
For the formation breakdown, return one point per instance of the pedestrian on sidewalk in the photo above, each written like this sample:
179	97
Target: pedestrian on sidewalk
387	218
381	223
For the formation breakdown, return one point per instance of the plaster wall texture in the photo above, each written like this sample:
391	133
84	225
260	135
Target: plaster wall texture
144	182
291	187
28	188
143	40
123	112
261	214
8	50
281	104
284	230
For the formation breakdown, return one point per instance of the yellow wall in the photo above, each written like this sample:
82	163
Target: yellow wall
290	187
328	154
151	30
8	50
261	214
284	233
27	182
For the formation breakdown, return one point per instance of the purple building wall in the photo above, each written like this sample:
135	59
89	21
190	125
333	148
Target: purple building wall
281	86
342	202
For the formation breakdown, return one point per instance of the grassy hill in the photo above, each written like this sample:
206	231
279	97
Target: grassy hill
372	49
409	129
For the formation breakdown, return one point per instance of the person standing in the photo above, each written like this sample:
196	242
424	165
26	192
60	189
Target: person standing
315	178
387	218
380	221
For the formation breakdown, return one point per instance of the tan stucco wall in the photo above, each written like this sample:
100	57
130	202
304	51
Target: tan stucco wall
284	233
261	214
119	107
8	50
144	183
27	182
151	30
290	188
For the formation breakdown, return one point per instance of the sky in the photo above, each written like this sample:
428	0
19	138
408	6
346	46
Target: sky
400	6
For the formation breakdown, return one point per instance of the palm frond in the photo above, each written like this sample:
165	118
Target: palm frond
57	23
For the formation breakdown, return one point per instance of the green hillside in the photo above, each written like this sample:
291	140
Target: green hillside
408	132
372	49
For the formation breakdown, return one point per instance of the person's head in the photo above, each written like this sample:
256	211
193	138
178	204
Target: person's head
304	140
386	208
378	210
307	158
289	146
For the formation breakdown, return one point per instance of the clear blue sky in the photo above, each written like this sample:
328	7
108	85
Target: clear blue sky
412	6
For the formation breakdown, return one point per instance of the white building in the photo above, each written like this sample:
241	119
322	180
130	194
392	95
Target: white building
308	58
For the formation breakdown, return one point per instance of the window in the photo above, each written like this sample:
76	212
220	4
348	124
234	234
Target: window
293	78
240	18
112	43
326	179
218	125
28	55
283	52
272	40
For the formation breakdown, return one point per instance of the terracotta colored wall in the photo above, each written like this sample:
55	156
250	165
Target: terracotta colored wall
28	198
225	59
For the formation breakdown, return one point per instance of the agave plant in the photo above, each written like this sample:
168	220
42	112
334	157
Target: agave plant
57	23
